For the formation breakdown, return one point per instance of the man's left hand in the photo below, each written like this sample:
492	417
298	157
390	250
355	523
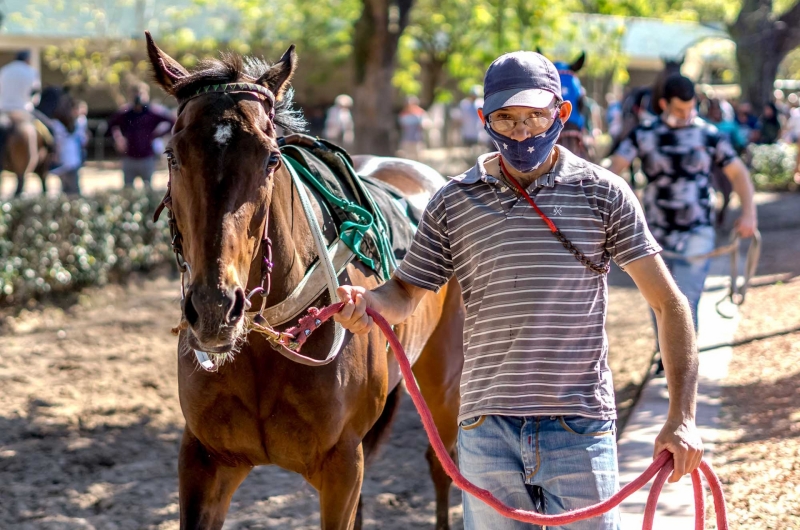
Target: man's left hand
683	441
746	225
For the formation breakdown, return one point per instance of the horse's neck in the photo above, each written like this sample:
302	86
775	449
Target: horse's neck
292	244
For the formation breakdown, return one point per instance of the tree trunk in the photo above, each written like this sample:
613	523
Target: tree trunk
758	69
762	42
432	70
375	47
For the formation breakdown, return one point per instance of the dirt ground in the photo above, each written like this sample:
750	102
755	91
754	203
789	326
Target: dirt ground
90	422
759	462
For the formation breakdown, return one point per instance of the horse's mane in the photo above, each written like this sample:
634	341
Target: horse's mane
232	68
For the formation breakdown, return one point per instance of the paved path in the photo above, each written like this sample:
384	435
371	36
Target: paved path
676	504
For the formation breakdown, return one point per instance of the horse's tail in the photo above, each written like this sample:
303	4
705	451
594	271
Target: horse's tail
381	429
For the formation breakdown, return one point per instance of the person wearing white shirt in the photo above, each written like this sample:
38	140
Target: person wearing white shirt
19	82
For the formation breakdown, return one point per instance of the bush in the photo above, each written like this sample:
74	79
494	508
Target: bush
773	166
59	245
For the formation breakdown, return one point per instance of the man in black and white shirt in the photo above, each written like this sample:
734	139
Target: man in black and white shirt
537	405
678	152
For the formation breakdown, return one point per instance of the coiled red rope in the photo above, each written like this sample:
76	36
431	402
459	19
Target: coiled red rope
660	468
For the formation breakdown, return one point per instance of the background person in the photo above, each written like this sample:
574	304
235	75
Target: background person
678	152
339	126
134	127
413	121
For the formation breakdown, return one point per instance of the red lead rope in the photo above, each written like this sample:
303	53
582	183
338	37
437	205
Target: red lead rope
524	193
662	465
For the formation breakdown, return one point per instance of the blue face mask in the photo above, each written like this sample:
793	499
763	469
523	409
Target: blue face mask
529	154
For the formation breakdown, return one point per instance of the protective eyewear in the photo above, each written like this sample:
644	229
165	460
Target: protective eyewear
538	120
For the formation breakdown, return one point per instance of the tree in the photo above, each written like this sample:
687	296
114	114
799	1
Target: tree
449	43
763	40
375	38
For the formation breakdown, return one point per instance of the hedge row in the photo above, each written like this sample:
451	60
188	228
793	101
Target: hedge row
773	166
51	245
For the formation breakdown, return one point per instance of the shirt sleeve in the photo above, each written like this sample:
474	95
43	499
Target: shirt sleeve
627	236
629	147
429	262
724	153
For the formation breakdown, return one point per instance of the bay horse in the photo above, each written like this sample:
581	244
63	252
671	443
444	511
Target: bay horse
227	183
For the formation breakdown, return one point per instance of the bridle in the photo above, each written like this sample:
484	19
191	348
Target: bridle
265	285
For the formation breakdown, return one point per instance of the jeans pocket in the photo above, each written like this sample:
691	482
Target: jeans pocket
472	423
583	426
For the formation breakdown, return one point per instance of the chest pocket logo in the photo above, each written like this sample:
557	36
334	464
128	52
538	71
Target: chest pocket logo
558	210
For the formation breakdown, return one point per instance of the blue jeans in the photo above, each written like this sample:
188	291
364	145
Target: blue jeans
690	276
551	464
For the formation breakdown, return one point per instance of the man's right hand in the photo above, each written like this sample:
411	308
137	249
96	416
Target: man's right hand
121	144
353	315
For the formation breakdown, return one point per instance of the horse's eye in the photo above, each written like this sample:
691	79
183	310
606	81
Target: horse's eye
172	161
274	161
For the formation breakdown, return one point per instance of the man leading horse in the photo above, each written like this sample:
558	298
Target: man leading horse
529	232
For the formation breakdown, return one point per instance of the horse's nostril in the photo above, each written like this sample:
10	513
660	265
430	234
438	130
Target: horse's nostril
237	309
189	310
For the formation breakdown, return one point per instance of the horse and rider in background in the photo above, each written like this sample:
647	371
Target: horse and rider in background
35	138
578	132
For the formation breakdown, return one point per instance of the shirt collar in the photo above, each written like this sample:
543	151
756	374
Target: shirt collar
568	168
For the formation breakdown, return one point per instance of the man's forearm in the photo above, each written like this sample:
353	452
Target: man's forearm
393	301
676	338
743	187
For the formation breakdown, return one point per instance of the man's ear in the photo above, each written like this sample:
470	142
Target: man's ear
277	78
166	70
662	104
565	112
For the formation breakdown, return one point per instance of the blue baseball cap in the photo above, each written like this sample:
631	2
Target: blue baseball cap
520	79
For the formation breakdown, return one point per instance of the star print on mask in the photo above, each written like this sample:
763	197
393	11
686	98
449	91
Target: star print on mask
530	153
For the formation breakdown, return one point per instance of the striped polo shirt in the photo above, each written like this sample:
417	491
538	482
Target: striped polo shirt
534	337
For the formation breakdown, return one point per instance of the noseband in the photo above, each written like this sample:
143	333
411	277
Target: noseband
266	244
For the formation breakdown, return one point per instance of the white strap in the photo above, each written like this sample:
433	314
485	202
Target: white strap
310	287
324	258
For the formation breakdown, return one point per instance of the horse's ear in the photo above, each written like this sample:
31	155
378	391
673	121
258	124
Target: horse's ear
278	76
578	64
166	70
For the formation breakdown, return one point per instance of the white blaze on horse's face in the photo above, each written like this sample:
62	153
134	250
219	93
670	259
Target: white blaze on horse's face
223	134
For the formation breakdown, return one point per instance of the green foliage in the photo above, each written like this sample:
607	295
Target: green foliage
773	166
466	35
59	245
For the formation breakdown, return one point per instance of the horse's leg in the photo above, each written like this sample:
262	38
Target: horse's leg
377	435
20	184
205	485
438	373
339	484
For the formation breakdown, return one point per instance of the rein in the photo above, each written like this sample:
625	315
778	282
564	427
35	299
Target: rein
736	293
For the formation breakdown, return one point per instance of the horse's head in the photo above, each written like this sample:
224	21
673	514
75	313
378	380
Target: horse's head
222	156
